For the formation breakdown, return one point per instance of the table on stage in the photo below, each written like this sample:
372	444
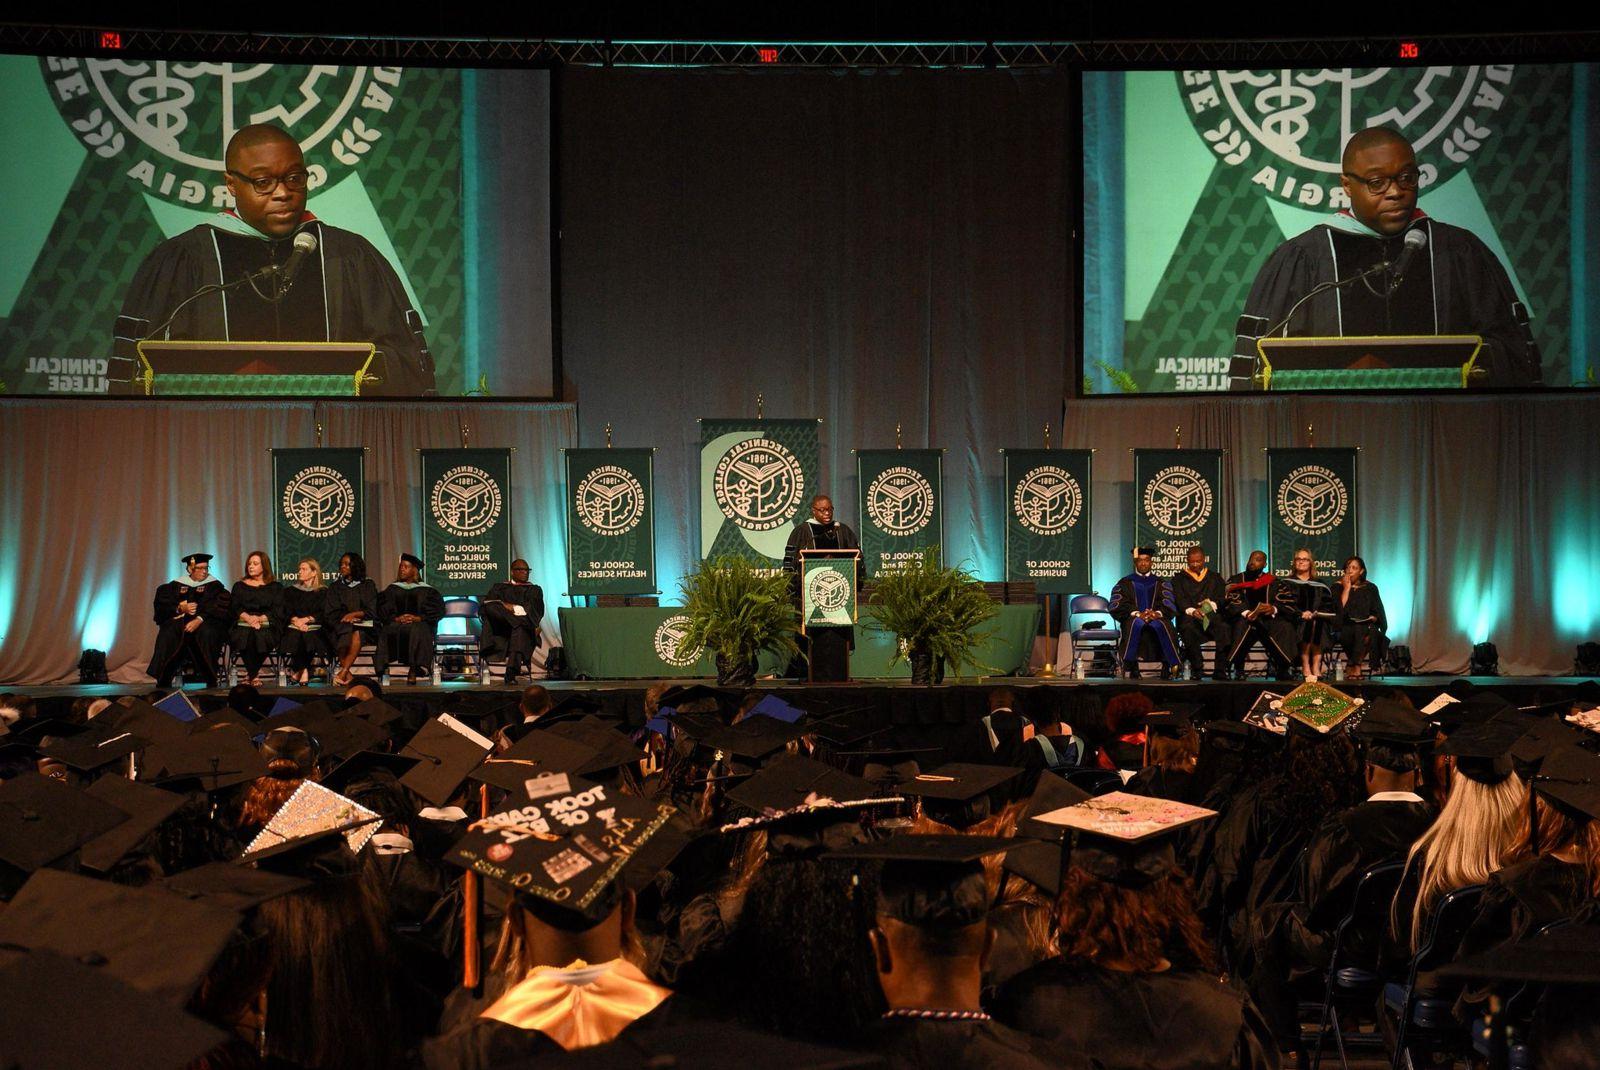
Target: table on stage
627	642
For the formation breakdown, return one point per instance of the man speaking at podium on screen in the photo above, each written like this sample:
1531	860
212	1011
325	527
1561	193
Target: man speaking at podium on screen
297	278
1421	276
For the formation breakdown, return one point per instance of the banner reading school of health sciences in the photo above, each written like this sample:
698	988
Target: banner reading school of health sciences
611	521
466	519
1048	519
756	481
319	508
1177	504
1311	502
901	506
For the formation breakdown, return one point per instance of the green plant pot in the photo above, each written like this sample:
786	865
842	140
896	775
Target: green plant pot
925	668
732	672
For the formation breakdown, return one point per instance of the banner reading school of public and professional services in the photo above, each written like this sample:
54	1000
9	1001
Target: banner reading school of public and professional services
756	481
319	508
1177	503
1311	503
611	526
1048	519
466	519
901	505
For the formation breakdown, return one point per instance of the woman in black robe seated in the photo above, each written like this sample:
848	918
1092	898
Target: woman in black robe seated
1135	984
305	613
257	609
353	613
1360	621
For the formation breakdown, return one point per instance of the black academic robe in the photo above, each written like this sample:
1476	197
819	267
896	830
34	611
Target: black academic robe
933	1044
1275	633
1157	783
345	597
1134	592
254	644
173	644
1187	594
805	537
1176	1020
1254	851
1456	285
505	631
1360	621
412	643
344	292
300	647
1294	597
1517	902
826	649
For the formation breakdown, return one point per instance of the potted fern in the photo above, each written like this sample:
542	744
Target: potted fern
935	611
736	611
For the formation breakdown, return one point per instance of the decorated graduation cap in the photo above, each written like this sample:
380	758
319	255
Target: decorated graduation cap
191	560
564	850
146	807
793	780
958	793
413	560
1482	750
934	882
1126	839
316	833
58	1011
42	820
1317	709
158	943
449	752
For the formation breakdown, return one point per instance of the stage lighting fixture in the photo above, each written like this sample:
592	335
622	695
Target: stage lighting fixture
1587	662
1485	660
1397	660
92	667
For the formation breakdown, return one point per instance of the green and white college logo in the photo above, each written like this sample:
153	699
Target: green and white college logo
900	500
1312	500
1285	129
466	501
668	634
1177	501
1047	500
319	501
758	484
610	501
828	590
168	122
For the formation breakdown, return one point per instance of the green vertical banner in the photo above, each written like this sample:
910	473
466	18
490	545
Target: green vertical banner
611	525
466	519
1048	519
1311	503
1177	504
901	505
756	481
319	508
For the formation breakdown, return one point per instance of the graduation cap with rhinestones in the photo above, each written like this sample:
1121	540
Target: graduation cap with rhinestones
311	815
1317	709
1126	839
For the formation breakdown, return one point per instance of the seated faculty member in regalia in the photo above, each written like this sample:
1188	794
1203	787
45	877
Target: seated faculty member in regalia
511	613
192	615
409	611
342	291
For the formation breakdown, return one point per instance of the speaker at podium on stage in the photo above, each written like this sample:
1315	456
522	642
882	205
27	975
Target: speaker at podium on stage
825	554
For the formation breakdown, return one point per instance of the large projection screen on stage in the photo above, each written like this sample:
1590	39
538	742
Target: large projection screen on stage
446	172
1191	178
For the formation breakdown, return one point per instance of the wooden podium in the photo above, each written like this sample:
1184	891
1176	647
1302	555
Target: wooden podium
221	369
1373	362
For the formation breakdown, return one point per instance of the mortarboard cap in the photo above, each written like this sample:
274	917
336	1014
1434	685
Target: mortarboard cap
1482	749
792	780
142	719
1174	720
196	559
156	942
1126	839
754	737
56	1013
536	754
98	746
1541	738
1038	863
1570	775
680	695
932	881
348	734
1051	793
613	750
280	704
1143	551
959	793
309	816
291	744
43	732
364	764
211	760
849	726
146	808
413	560
707	1046
450	752
375	710
311	717
1317	709
776	708
178	706
227	715
227	884
1394	722
42	819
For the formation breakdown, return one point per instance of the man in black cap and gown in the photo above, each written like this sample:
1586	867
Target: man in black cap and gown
1142	606
410	611
192	615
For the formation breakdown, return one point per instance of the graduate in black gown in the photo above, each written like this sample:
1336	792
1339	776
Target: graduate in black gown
1135	986
1171	751
409	611
1308	603
1360	621
930	943
1454	284
1198	593
344	291
1141	604
1254	616
352	613
511	613
307	629
257	612
192	615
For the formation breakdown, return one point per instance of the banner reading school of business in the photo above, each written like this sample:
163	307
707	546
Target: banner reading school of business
611	527
1311	502
901	506
319	508
1177	503
756	481
466	519
1048	518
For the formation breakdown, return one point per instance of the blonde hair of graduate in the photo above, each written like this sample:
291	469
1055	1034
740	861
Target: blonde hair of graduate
1475	834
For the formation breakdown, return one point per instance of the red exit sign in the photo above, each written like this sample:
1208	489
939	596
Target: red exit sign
767	55
110	39
1409	50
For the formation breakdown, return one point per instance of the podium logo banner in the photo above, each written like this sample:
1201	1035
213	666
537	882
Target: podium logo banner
828	591
611	543
466	519
757	478
1178	504
1311	503
901	509
1048	519
319	508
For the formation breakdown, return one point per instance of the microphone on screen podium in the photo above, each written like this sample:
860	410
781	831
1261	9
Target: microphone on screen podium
305	243
280	275
1393	271
1415	241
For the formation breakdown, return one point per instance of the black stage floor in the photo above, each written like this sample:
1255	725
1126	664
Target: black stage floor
904	702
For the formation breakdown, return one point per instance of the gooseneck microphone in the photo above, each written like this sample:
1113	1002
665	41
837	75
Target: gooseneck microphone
280	276
305	243
1414	241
